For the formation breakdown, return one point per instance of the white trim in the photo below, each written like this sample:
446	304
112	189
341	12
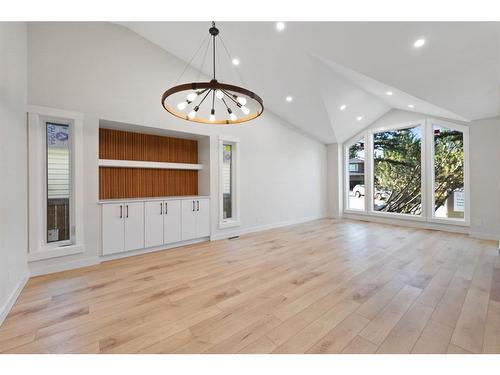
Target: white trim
259	228
11	300
37	245
37	269
430	171
408	222
55	253
155	249
54	112
147	164
234	221
345	168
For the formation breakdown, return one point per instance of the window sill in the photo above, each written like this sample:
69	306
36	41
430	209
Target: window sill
48	253
229	224
419	219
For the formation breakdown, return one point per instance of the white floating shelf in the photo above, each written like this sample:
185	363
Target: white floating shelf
148	164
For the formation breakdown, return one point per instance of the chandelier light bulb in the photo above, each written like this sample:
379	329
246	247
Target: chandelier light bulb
191	96
233	117
182	105
219	94
241	100
245	110
212	115
192	114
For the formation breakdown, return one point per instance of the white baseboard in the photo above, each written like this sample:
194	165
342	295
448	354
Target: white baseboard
36	270
484	236
7	306
151	249
258	228
424	225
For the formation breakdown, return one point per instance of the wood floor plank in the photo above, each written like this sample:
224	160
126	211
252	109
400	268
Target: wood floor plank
405	334
384	322
469	331
325	286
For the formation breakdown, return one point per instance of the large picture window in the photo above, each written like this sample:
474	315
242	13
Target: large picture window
449	168
397	184
229	215
356	176
55	168
58	156
417	170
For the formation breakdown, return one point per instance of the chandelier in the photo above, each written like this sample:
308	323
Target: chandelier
212	102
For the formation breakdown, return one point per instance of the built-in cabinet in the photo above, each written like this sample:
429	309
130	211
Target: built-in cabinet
195	218
122	227
145	224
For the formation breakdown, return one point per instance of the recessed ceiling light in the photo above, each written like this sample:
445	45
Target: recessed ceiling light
288	98
411	106
280	26
343	107
389	93
419	43
236	62
359	118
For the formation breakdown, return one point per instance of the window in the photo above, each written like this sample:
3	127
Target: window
417	170
55	167
397	171
449	168
228	182
227	186
58	182
356	176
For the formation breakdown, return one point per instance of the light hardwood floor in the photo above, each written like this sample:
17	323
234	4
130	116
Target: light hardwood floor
321	287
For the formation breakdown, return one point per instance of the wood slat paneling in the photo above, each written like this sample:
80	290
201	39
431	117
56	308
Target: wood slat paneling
118	183
120	145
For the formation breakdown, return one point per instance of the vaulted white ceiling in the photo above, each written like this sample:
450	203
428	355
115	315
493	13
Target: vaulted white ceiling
324	65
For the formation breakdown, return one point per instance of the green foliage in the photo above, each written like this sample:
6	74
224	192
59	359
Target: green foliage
398	170
397	162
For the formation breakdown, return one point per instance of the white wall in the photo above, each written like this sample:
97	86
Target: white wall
13	159
107	72
485	177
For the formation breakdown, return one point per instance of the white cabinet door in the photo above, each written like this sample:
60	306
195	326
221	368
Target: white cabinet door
171	221
188	219
134	225
203	218
112	228
153	223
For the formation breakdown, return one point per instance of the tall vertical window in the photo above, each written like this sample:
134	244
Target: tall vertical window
227	186
449	172
228	182
356	175
397	171
58	182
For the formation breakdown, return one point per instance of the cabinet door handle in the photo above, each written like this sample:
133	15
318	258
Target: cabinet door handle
161	208
166	208
198	205
127	210
193	206
121	211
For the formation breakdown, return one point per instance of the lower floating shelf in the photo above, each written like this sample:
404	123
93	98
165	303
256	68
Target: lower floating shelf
148	164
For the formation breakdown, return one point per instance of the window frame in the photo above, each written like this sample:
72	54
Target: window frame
402	126
39	247
431	173
234	220
347	146
64	122
427	167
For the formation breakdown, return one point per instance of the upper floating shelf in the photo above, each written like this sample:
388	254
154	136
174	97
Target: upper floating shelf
148	164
